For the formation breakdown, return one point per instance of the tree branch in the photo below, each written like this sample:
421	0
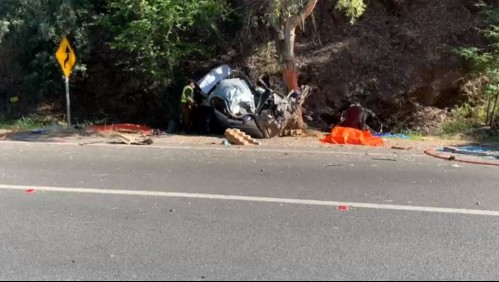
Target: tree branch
305	12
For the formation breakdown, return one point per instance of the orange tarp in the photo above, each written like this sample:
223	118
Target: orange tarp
351	136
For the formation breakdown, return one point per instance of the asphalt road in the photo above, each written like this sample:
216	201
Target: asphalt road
103	213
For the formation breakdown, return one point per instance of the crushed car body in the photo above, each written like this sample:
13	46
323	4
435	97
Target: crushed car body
258	111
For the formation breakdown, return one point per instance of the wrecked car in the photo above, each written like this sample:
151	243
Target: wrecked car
258	111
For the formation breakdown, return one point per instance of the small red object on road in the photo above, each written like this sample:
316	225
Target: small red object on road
29	191
343	208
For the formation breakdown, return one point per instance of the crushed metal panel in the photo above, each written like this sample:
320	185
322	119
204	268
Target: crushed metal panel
269	114
237	94
209	81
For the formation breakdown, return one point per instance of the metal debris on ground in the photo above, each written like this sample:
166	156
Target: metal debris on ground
128	139
475	151
334	165
121	128
237	137
131	139
402	148
383	159
38	131
91	143
292	133
129	134
343	208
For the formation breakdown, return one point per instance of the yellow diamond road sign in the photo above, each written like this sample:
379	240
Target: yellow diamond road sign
66	57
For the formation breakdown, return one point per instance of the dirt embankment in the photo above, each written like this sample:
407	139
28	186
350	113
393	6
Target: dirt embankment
396	60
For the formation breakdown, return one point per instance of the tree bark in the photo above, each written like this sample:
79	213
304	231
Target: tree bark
493	115
286	44
489	105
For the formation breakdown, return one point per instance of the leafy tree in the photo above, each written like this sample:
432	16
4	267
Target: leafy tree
129	51
30	31
486	61
158	35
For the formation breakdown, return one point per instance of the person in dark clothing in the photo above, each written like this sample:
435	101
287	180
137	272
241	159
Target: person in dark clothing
203	115
354	117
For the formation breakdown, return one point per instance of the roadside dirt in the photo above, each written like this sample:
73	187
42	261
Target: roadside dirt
310	142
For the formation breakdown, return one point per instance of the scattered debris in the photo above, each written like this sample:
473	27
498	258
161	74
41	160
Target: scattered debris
392	136
91	143
292	133
343	208
456	166
30	191
123	138
334	165
383	159
38	131
237	137
402	148
445	154
131	139
476	151
121	128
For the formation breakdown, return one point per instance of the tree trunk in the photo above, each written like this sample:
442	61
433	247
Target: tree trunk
285	45
288	62
489	105
493	115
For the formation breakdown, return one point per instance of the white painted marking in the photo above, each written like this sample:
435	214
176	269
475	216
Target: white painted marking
255	199
324	151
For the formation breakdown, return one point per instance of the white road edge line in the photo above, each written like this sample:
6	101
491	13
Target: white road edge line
255	199
228	149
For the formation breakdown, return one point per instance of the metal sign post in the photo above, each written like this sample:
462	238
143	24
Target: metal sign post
68	102
67	59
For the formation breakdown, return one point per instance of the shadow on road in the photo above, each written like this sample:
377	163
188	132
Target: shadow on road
37	137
